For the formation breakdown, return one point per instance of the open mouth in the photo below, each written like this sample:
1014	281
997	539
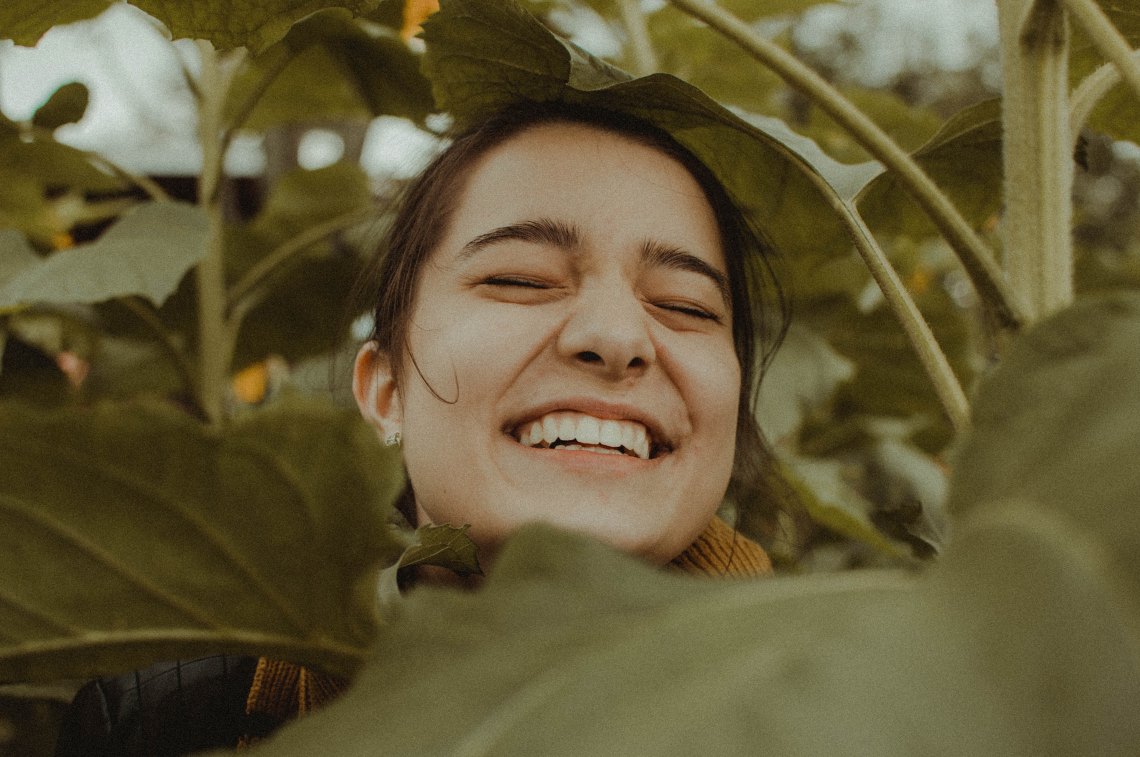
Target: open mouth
578	431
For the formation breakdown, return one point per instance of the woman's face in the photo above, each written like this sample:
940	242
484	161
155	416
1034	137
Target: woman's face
575	321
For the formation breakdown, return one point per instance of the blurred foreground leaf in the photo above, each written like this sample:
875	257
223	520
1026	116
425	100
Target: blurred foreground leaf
1057	426
146	252
131	533
1022	642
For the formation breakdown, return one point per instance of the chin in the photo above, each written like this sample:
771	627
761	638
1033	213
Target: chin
643	538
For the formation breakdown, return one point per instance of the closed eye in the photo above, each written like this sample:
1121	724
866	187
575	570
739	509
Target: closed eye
514	281
690	310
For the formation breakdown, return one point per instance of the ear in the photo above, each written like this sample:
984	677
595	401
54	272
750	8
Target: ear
375	390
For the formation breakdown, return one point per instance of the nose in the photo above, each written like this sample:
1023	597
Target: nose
608	333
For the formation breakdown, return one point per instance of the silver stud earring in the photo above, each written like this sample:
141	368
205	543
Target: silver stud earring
393	439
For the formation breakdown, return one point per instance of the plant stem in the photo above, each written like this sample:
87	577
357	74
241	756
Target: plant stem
971	250
644	56
1111	44
922	339
1037	153
214	349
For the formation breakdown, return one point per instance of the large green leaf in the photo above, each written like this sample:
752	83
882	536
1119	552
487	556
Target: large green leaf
131	533
963	158
146	252
328	67
572	650
1057	426
304	198
1022	642
226	23
766	167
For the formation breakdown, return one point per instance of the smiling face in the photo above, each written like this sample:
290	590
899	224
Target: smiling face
573	338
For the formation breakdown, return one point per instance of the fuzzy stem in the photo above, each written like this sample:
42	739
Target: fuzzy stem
644	56
1107	39
214	347
1037	153
976	257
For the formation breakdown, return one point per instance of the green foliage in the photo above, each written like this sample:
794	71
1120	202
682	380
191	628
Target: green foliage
128	259
445	546
964	158
1022	642
43	185
263	538
1056	427
226	23
328	67
298	307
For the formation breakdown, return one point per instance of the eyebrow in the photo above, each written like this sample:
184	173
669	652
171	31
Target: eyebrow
568	237
539	231
669	256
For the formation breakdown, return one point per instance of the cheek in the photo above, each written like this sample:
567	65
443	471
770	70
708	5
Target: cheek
711	384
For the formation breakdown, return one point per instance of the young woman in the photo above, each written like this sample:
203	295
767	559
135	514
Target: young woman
567	309
566	322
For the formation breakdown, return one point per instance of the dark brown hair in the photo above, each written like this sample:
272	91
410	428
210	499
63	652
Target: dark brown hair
759	307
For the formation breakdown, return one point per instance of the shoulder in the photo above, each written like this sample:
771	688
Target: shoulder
170	708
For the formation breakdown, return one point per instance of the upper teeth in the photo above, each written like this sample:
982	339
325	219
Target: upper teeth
585	429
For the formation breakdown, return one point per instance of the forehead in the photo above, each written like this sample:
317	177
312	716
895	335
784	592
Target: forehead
615	186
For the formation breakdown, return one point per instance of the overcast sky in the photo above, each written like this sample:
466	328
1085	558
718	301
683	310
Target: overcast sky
141	115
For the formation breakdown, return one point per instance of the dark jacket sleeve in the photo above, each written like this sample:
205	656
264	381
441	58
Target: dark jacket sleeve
167	709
